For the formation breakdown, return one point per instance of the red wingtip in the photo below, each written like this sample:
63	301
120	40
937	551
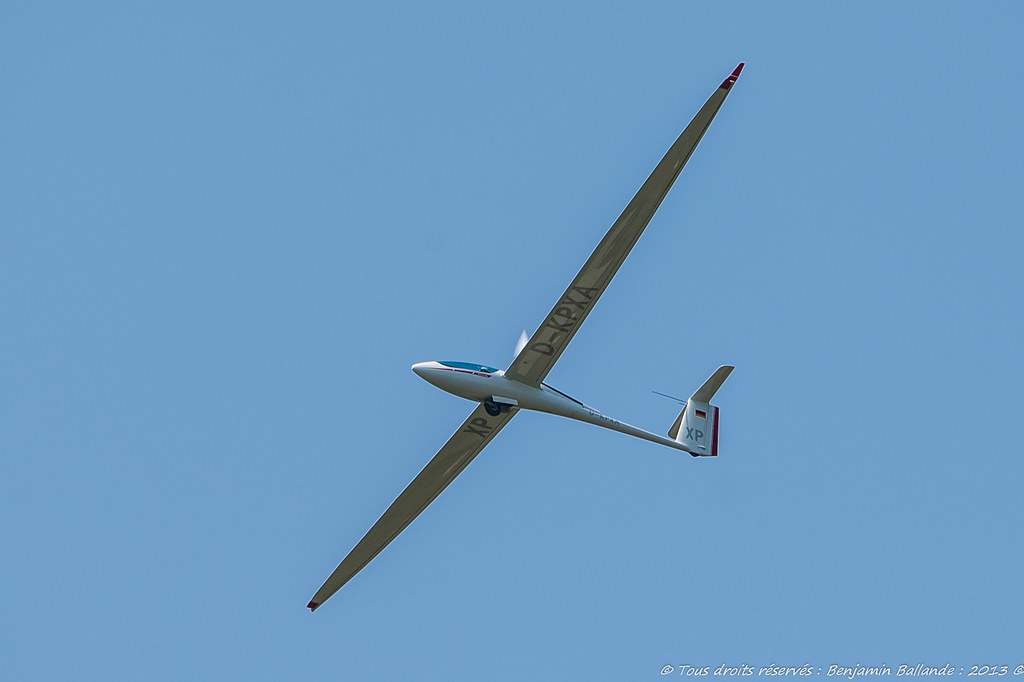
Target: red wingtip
727	83
312	606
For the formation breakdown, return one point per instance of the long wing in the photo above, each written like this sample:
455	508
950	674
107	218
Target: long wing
565	319
457	453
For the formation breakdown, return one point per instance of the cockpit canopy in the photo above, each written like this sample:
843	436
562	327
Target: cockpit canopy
468	365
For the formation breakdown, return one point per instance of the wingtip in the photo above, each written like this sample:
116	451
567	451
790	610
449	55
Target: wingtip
312	606
727	83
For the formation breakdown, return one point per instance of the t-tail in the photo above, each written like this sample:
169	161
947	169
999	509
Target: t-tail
696	427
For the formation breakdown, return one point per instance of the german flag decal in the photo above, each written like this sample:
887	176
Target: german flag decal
701	414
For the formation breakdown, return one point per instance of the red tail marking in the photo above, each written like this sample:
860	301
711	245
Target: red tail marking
714	429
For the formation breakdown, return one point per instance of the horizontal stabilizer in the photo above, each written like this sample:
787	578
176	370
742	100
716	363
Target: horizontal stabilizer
709	388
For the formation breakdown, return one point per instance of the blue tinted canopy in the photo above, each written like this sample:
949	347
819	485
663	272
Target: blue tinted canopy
468	365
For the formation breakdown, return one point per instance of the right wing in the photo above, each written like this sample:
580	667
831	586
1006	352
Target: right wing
534	362
457	453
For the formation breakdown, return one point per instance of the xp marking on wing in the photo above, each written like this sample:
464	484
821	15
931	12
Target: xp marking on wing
501	394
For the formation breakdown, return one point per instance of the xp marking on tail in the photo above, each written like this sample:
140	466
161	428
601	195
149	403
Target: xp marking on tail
501	394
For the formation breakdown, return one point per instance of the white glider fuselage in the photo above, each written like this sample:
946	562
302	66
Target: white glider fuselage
480	383
500	394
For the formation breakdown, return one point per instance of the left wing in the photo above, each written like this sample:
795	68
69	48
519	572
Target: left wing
457	453
547	343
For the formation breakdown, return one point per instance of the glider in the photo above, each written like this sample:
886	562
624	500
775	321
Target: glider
501	394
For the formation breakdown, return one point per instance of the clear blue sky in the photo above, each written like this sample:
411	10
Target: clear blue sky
228	229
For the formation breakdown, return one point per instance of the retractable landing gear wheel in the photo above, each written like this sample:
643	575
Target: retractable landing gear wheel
492	408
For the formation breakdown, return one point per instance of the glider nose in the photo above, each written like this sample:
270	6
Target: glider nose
420	368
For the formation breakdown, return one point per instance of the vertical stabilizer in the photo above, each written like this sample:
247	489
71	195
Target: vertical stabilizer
696	427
